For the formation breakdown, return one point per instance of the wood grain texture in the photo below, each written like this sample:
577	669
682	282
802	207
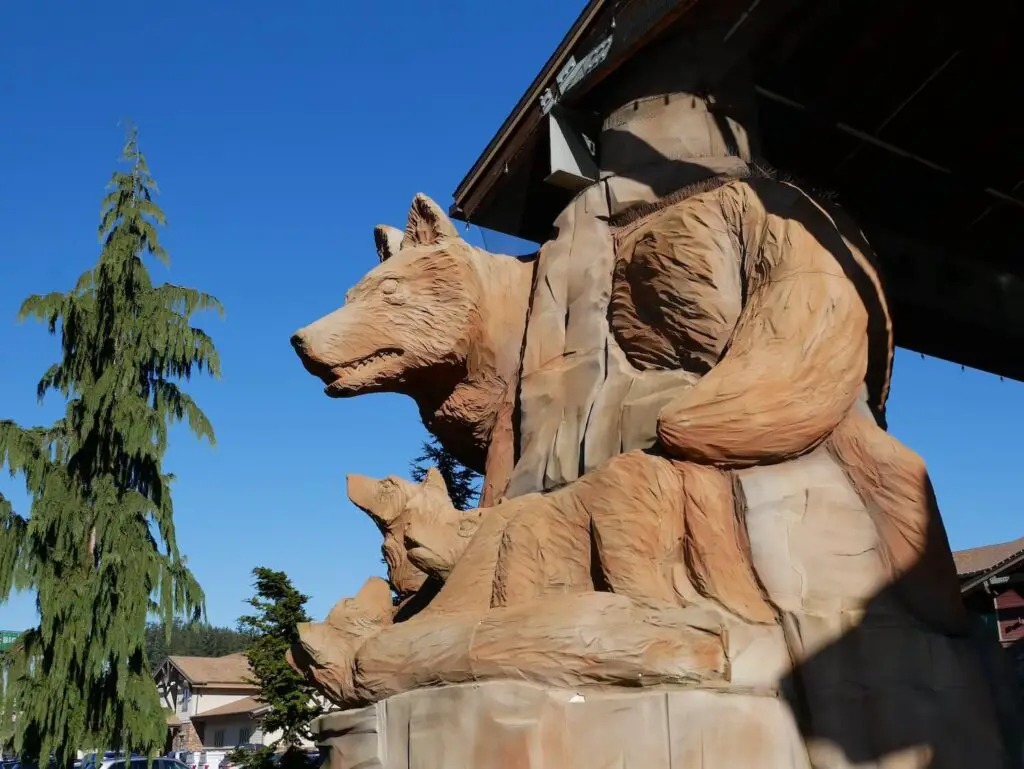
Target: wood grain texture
893	481
679	403
797	355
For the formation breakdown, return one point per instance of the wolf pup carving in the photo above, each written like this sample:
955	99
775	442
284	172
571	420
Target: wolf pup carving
678	405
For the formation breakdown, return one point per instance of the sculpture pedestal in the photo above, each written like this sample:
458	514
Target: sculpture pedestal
504	724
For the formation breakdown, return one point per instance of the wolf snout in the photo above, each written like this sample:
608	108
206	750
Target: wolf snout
361	491
311	357
300	343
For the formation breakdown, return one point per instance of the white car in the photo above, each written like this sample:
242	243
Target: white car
115	761
137	762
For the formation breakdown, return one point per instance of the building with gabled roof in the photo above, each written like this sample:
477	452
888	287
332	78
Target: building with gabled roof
211	702
992	584
230	670
212	705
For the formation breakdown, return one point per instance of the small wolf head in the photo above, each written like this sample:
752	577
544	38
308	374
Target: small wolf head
408	325
424	534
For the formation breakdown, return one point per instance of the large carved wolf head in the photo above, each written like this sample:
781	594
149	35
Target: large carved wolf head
409	325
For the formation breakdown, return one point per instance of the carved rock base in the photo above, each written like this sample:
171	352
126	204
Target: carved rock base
503	724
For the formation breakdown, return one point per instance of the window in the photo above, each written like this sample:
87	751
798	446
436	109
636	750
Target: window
218	738
186	696
243	735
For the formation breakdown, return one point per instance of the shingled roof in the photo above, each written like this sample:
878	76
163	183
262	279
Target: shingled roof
230	670
978	560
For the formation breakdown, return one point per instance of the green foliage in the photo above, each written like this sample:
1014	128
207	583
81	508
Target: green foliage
98	546
263	757
463	483
192	639
274	627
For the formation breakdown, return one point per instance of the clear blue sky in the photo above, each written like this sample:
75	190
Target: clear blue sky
280	133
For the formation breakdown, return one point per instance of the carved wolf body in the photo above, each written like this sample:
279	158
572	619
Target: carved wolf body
424	535
778	374
736	328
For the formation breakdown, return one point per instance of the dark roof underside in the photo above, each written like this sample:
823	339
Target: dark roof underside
904	110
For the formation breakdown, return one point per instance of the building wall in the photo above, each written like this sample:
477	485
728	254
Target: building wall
1010	607
186	738
237	730
232	730
204	700
1010	615
186	701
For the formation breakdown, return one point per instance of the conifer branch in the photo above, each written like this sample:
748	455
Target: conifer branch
98	546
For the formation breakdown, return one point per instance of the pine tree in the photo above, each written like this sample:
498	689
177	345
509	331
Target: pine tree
461	481
293	702
192	639
98	546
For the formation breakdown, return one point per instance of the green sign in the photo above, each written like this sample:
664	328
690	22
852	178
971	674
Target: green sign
7	638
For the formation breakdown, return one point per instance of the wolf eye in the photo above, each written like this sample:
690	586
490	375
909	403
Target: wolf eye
388	286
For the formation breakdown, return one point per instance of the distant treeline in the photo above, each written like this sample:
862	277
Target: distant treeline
193	640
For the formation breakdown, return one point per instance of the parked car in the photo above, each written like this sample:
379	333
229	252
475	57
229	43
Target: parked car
19	764
141	762
103	760
119	760
250	747
313	758
210	759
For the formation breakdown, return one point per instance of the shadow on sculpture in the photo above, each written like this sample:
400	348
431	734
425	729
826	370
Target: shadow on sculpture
677	405
841	723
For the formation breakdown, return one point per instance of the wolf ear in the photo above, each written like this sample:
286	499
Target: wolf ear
435	479
428	224
388	241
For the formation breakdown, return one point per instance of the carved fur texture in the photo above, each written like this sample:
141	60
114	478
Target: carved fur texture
735	322
407	515
438	320
424	536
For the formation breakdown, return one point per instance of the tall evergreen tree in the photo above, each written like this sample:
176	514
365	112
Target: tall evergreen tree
98	546
463	483
293	702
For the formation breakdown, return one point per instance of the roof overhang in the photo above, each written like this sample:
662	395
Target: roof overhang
980	579
894	106
227	685
167	670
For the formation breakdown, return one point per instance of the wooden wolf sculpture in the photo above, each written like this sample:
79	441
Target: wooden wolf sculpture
734	332
759	382
424	536
533	547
